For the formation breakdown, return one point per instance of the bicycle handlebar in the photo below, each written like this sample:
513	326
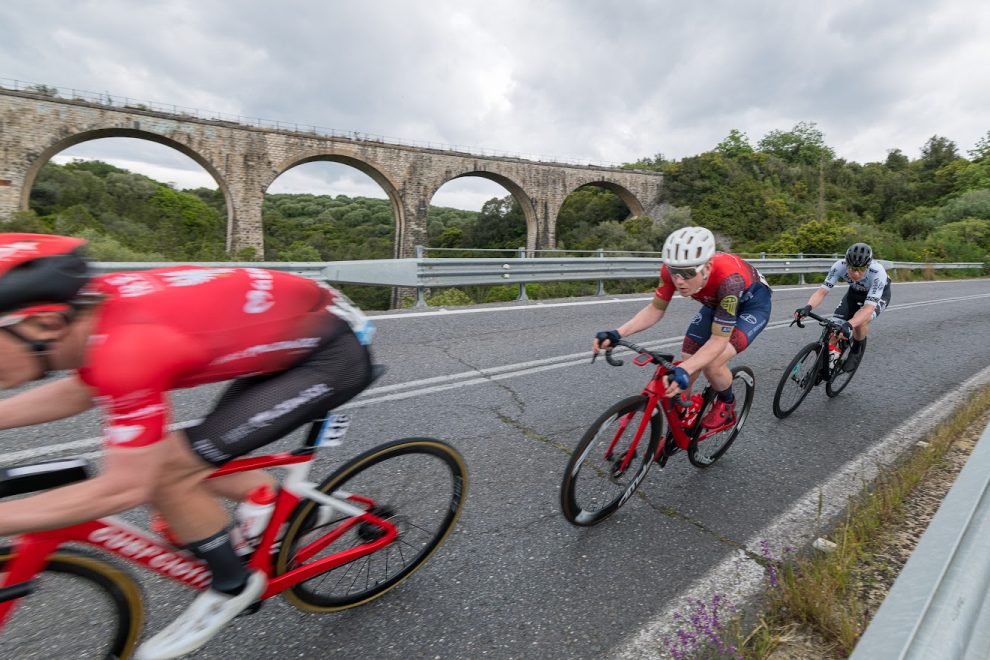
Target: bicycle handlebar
663	359
820	319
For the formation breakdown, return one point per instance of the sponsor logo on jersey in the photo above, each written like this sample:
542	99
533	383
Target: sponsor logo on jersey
193	277
254	351
729	304
8	251
748	318
260	298
131	285
119	434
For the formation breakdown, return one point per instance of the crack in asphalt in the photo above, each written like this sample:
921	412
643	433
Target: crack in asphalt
531	433
498	383
674	514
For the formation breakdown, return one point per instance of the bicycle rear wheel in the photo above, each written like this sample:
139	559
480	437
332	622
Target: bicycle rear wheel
417	484
797	380
840	377
704	454
595	485
80	607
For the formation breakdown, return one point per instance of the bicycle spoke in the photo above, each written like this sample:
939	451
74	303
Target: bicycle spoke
417	486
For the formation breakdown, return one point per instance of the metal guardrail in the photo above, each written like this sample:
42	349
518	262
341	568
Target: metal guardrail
939	606
423	273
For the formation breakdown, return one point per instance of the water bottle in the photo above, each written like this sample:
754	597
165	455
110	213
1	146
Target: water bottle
833	355
252	516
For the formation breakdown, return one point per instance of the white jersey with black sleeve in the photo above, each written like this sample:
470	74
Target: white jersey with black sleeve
872	285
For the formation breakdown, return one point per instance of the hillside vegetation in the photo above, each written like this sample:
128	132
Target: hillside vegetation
789	193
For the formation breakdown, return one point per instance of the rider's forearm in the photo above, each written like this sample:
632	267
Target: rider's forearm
70	505
644	318
61	398
862	316
817	297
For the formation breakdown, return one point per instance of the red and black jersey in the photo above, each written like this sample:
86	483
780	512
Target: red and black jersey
170	328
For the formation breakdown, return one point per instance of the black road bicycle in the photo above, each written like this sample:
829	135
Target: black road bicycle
821	361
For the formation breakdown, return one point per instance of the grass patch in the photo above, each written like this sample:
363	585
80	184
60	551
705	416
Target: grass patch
818	593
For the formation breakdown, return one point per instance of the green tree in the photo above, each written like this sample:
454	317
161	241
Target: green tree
802	145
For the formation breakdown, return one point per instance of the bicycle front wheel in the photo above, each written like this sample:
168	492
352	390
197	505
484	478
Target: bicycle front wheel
417	484
704	453
797	380
599	478
80	607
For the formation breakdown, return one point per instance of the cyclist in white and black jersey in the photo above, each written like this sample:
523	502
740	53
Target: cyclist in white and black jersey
867	297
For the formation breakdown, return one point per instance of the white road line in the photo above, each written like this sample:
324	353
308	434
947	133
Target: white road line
577	303
740	579
436	384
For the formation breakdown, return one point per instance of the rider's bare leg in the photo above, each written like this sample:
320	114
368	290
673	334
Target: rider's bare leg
188	505
239	485
717	371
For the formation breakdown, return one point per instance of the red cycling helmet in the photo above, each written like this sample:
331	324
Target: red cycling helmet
40	270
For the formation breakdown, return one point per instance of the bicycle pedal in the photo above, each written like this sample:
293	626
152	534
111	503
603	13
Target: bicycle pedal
251	609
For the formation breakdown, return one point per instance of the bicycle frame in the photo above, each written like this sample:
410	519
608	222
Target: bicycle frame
830	332
654	391
30	551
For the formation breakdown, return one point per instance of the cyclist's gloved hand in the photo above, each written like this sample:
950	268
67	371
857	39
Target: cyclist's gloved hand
610	336
801	312
680	376
846	329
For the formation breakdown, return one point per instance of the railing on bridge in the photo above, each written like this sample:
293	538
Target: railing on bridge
939	606
422	272
126	103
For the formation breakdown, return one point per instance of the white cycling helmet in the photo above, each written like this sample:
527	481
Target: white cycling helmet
689	246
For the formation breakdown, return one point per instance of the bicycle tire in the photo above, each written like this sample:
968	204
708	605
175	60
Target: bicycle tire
49	625
579	510
446	497
714	447
840	378
797	372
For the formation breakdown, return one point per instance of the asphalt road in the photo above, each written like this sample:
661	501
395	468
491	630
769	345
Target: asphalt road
512	388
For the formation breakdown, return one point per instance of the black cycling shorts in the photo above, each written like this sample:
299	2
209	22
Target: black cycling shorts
853	301
258	410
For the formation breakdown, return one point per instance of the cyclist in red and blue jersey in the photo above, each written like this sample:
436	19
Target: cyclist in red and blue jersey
868	295
292	347
735	308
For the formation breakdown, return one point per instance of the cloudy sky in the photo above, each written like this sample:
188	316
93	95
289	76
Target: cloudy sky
606	81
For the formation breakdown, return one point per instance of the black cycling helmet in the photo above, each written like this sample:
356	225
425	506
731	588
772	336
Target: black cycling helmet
40	270
859	255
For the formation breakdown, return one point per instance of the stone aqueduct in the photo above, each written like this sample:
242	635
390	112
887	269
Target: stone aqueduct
245	160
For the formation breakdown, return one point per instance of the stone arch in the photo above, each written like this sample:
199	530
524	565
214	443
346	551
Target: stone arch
632	202
518	193
376	173
90	134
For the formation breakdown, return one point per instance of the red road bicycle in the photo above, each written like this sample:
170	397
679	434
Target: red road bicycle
327	547
616	452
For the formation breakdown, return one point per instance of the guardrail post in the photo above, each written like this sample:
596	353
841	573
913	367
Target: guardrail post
763	255
522	285
601	283
800	255
420	291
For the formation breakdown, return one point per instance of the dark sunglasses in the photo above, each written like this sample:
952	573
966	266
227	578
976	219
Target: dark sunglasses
858	269
683	273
